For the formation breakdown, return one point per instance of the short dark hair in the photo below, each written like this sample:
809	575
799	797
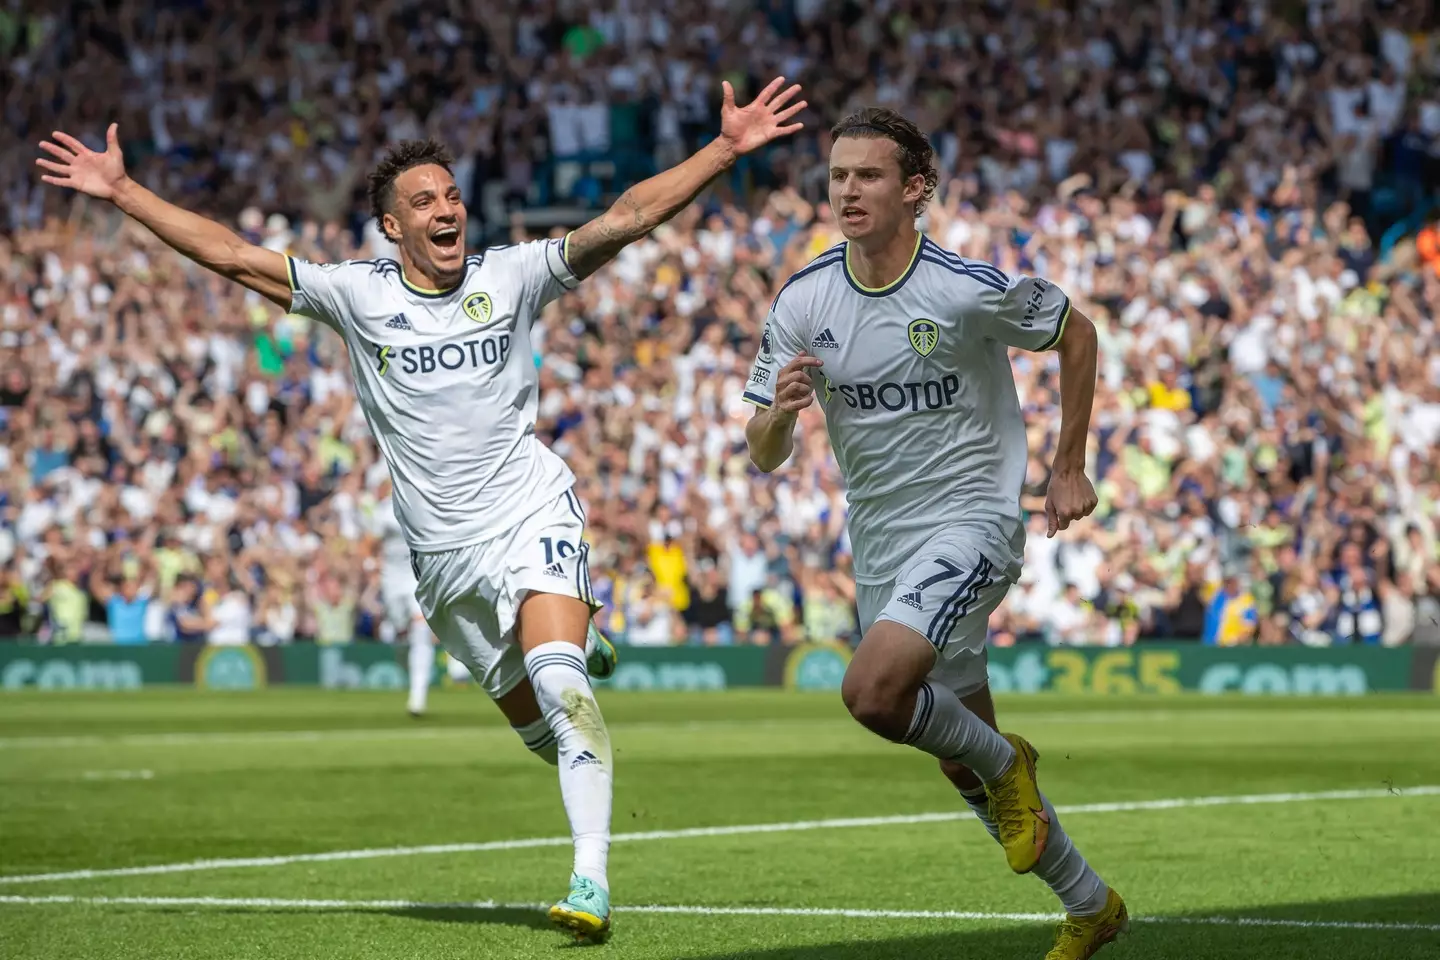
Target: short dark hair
401	157
915	154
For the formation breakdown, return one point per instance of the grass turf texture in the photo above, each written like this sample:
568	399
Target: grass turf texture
98	781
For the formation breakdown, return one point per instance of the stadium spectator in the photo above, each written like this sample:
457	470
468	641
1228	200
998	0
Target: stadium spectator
1232	617
125	605
1214	182
15	614
708	616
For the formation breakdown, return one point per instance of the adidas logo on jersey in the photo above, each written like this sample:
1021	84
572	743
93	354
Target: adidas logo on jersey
583	759
911	599
398	322
825	340
554	570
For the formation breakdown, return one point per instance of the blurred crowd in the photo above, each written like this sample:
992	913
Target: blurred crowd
1212	182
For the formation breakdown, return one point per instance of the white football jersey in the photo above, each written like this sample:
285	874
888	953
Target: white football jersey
918	395
448	384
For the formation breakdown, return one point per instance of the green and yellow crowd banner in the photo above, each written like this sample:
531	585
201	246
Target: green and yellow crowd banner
1149	668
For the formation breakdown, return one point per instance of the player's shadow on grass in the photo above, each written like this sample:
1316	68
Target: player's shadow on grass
1183	937
534	918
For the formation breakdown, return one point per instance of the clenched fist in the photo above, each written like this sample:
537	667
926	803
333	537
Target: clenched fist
794	391
1069	498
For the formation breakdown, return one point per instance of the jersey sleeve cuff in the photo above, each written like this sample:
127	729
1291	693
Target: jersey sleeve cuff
1059	328
756	400
300	304
559	263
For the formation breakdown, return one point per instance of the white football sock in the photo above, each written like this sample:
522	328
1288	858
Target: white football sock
562	689
539	739
1062	867
944	728
422	663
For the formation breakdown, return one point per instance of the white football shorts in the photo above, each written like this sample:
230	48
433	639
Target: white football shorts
471	595
946	594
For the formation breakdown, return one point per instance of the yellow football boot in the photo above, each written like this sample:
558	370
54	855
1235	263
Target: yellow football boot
1080	938
1018	810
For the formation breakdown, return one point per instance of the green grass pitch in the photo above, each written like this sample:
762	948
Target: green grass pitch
92	784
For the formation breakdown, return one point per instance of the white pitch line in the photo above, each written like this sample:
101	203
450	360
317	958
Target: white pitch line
60	741
1279	922
202	739
272	903
1248	799
118	775
374	853
191	738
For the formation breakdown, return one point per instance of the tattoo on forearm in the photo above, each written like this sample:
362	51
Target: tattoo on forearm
598	241
632	207
629	219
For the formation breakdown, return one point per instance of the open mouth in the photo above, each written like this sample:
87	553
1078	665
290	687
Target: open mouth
852	214
446	238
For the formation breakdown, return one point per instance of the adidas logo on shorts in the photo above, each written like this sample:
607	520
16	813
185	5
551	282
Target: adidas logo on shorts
398	322
911	599
554	570
825	340
585	758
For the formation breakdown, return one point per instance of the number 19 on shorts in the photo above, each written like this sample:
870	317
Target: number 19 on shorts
556	549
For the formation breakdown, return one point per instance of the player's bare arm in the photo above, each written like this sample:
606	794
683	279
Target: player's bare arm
770	432
651	202
102	176
1070	495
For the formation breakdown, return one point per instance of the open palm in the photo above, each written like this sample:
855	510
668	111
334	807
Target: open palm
761	120
78	167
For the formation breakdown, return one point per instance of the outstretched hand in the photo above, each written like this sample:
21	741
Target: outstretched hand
760	121
78	167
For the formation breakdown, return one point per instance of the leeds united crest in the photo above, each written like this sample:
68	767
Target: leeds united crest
924	336
477	307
